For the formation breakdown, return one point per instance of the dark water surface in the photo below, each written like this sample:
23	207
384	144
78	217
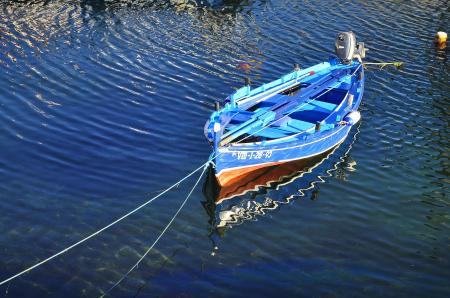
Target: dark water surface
102	105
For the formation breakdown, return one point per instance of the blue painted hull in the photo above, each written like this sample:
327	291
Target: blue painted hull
231	163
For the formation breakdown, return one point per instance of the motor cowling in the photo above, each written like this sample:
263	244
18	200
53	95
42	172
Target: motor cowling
345	46
347	49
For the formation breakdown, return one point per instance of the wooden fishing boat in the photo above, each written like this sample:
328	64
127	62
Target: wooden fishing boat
297	117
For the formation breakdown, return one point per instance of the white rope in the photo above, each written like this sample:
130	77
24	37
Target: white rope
159	237
176	184
105	227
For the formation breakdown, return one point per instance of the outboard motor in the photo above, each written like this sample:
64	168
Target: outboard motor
347	49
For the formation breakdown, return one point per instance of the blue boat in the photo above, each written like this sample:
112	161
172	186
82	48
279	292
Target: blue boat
299	116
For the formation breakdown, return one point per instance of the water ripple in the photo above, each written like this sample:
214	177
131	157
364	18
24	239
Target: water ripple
102	105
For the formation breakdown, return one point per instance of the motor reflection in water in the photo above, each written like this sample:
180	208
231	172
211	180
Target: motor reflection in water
264	190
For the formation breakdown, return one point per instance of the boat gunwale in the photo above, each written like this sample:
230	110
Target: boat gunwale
330	133
301	74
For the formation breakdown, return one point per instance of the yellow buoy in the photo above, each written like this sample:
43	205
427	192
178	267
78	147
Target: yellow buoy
441	37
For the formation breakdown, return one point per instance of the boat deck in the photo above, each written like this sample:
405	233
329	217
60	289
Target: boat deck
304	119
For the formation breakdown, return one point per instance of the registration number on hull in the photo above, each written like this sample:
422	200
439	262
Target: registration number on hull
252	154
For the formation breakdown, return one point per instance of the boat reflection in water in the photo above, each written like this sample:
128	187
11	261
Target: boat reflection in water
248	197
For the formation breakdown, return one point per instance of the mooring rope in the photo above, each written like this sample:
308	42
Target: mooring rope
397	64
204	165
105	227
160	235
144	204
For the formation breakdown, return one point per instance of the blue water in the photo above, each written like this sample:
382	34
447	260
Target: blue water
102	106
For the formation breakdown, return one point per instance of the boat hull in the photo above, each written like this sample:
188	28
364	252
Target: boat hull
233	163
